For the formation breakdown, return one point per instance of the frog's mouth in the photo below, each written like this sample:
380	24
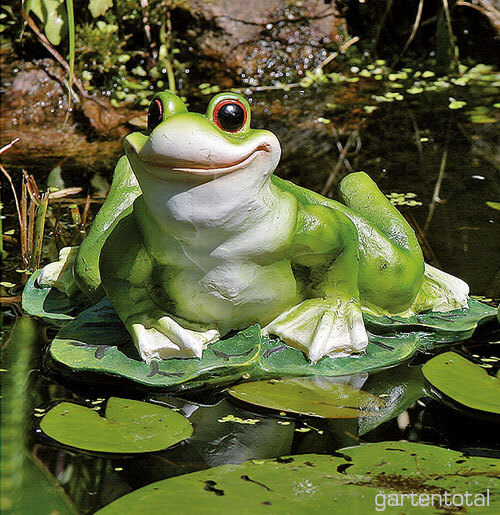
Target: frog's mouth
163	164
221	170
160	164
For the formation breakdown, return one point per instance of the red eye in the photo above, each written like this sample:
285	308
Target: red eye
155	114
230	115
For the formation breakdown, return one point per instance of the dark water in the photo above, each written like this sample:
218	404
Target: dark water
405	147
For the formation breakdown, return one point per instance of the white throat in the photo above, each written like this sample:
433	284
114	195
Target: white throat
227	204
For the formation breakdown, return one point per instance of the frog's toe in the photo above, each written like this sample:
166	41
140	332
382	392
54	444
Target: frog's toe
59	274
321	328
340	332
152	344
168	339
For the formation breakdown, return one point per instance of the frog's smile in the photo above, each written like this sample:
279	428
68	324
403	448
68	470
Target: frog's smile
205	170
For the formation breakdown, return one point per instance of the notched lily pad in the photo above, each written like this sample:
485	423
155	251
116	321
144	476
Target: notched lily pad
96	341
463	381
317	397
356	479
129	426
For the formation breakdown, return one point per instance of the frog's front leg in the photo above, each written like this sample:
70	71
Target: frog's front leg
324	254
127	280
158	336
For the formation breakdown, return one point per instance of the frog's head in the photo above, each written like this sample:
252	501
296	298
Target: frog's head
184	146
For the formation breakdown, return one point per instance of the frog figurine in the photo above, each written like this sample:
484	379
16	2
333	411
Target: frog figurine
198	238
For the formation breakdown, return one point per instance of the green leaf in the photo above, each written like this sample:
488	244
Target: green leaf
129	427
494	205
463	381
53	15
456	104
96	341
436	328
355	480
309	396
99	7
49	304
41	492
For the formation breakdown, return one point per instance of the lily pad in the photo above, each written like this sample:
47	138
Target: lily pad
49	304
308	396
463	381
96	341
128	426
355	480
449	327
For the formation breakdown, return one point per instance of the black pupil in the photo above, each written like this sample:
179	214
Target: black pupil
231	117
155	114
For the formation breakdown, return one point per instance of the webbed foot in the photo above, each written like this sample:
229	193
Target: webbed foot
440	292
59	274
321	327
157	336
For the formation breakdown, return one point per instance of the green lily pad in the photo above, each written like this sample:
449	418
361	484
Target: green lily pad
463	381
355	480
96	342
399	388
309	397
279	360
449	327
49	304
128	426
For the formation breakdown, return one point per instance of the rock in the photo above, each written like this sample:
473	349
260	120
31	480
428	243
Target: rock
265	40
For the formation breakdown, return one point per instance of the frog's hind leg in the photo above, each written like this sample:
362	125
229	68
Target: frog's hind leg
394	277
391	261
440	292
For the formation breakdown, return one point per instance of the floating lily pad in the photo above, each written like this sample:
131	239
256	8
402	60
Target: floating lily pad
49	304
310	397
278	360
463	381
449	327
96	341
355	480
399	388
128	426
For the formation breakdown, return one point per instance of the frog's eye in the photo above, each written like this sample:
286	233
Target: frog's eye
155	114
230	115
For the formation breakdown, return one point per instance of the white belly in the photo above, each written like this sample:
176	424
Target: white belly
233	294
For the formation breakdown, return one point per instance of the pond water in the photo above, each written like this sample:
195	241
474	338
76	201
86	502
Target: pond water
417	146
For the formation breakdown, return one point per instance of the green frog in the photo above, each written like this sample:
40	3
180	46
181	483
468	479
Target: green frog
198	238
